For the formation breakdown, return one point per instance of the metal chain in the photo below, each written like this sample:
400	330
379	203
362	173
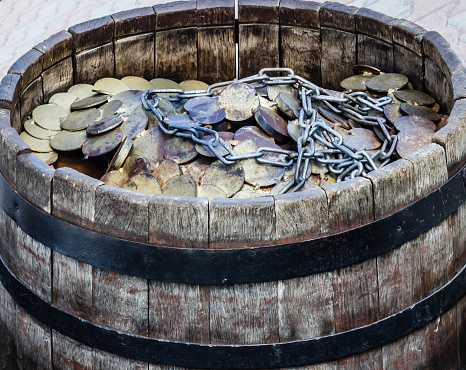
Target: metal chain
340	158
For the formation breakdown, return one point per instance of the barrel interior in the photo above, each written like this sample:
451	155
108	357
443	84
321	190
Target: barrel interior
196	40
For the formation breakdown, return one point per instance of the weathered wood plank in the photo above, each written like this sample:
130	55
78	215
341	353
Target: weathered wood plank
179	221
300	49
408	352
374	24
105	360
5	117
338	16
93	64
438	85
7	326
31	97
410	64
461	331
16	116
216	44
57	78
135	55
56	48
375	52
134	21
339	48
29	66
89	34
259	48
176	14
176	54
215	12
69	354
258	11
11	146
10	88
299	13
408	34
8	241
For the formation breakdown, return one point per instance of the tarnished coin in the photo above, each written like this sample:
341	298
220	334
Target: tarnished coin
362	139
82	90
67	141
239	101
102	144
137	83
264	102
110	108
205	151
207	113
355	83
179	149
435	107
412	139
294	130
104	125
80	120
63	99
327	179
179	119
424	112
134	124
192	103
255	173
37	145
288	103
387	81
247	191
166	106
195	169
49	158
121	154
143	183
180	185
114	178
407	122
210	191
247	132
359	69
164	83
193	85
131	100
135	164
149	144
228	177
333	117
110	85
272	123
414	97
49	116
392	112
274	90
165	169
38	132
89	102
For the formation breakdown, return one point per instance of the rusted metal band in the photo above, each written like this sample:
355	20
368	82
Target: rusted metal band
274	355
235	266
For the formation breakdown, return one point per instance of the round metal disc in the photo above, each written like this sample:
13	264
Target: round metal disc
104	125
193	85
179	119
412	139
63	99
327	179
255	173
247	191
210	192
362	139
49	158
239	101
333	117
180	185
206	151
179	149
89	102
230	178
102	144
143	183
164	83
67	141
80	120
387	81
207	114
114	178
192	103
287	103
110	108
110	85
355	83
82	90
49	116
272	123
294	130
131	100
274	90
121	154
37	145
137	83
414	97
149	144
195	169
136	164
165	169
134	124
38	132
407	122
247	132
424	112
264	102
392	112
359	69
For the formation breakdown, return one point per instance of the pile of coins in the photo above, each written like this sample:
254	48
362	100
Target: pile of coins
160	136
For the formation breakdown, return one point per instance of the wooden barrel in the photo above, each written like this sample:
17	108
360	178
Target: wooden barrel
366	273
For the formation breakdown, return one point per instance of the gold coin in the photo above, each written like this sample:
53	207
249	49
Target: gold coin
82	90
143	183
121	154
210	191
89	102
355	83
37	145
102	144
136	164
179	149
110	85
180	185
150	144
67	141
165	169
38	132
189	85
414	97
49	158
49	116
137	83
63	99
387	81
274	90
164	83
80	119
114	178
288	104
239	101
230	178
104	125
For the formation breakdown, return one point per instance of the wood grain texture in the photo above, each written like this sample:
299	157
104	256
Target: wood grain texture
29	66
179	221
134	21
438	85
298	13
408	352
244	313
215	12
375	52
408	34
105	360
374	24
57	78
31	97
56	48
122	213
135	55
237	223
70	354
176	54
300	50
93	64
179	312
16	116
410	64
258	11
176	14
10	88
8	241
438	49
339	48
458	224
7	327
259	48
216	54
11	146
461	331
338	16
89	34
